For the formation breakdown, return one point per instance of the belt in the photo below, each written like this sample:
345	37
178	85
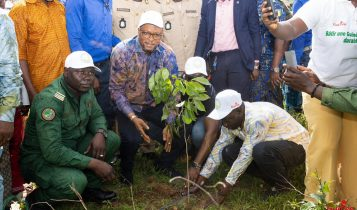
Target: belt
307	48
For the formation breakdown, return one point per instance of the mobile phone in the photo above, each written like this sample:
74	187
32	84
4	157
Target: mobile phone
290	58
270	3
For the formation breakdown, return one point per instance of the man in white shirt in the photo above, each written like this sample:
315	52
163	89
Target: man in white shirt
334	60
271	142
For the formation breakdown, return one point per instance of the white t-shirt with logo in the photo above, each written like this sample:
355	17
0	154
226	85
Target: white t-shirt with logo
334	40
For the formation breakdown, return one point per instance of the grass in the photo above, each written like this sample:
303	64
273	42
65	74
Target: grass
152	190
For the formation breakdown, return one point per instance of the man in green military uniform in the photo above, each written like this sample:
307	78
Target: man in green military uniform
66	140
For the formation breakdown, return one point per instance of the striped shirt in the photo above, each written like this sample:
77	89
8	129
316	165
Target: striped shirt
263	122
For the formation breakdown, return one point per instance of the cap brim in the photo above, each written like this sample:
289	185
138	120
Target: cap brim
218	115
97	69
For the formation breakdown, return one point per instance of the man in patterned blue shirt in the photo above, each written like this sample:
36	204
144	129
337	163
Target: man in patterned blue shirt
133	61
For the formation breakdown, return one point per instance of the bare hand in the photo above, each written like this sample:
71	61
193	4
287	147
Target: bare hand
194	189
275	79
298	80
6	131
167	137
141	126
266	12
96	85
102	169
193	173
255	74
97	147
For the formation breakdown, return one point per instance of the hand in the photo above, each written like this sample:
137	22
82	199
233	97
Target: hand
102	169
255	74
141	126
193	173
275	79
309	73
6	131
299	79
96	85
97	147
201	180
167	137
272	25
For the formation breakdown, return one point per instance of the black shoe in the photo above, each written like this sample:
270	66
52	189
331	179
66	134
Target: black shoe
97	195
168	171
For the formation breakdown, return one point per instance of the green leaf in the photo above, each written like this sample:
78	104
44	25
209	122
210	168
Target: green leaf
201	97
179	85
152	82
325	188
197	86
186	117
201	80
199	105
165	113
165	74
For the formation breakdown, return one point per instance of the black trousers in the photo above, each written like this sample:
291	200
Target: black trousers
229	72
103	97
271	159
131	139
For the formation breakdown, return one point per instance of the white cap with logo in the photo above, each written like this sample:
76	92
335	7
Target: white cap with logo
226	102
151	17
195	65
80	60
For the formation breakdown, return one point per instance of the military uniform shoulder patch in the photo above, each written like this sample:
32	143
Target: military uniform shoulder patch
59	96
48	114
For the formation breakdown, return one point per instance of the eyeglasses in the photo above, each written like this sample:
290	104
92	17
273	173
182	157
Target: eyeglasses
84	73
147	35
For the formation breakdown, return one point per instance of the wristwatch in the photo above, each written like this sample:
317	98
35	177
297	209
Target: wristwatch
102	131
276	69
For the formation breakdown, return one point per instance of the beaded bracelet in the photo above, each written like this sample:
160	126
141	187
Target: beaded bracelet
314	90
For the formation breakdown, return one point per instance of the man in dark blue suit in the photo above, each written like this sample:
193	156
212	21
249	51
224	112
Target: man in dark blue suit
229	39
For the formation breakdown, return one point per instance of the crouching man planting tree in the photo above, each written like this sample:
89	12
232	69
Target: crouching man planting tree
270	142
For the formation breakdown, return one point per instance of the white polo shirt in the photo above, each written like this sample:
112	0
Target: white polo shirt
334	40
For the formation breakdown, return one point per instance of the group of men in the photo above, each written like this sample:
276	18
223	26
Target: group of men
67	141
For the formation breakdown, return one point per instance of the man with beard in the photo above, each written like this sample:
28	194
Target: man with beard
66	140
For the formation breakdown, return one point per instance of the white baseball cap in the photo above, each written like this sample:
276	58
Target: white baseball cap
80	60
195	65
226	102
151	17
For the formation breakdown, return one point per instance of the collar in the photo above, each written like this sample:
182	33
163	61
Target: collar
66	88
40	1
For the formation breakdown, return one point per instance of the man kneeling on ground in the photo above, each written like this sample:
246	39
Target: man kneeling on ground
271	142
66	140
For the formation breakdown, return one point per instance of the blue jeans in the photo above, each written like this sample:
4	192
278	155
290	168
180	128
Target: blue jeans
198	132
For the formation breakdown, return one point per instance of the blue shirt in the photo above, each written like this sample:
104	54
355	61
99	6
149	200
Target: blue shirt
304	40
89	27
131	70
